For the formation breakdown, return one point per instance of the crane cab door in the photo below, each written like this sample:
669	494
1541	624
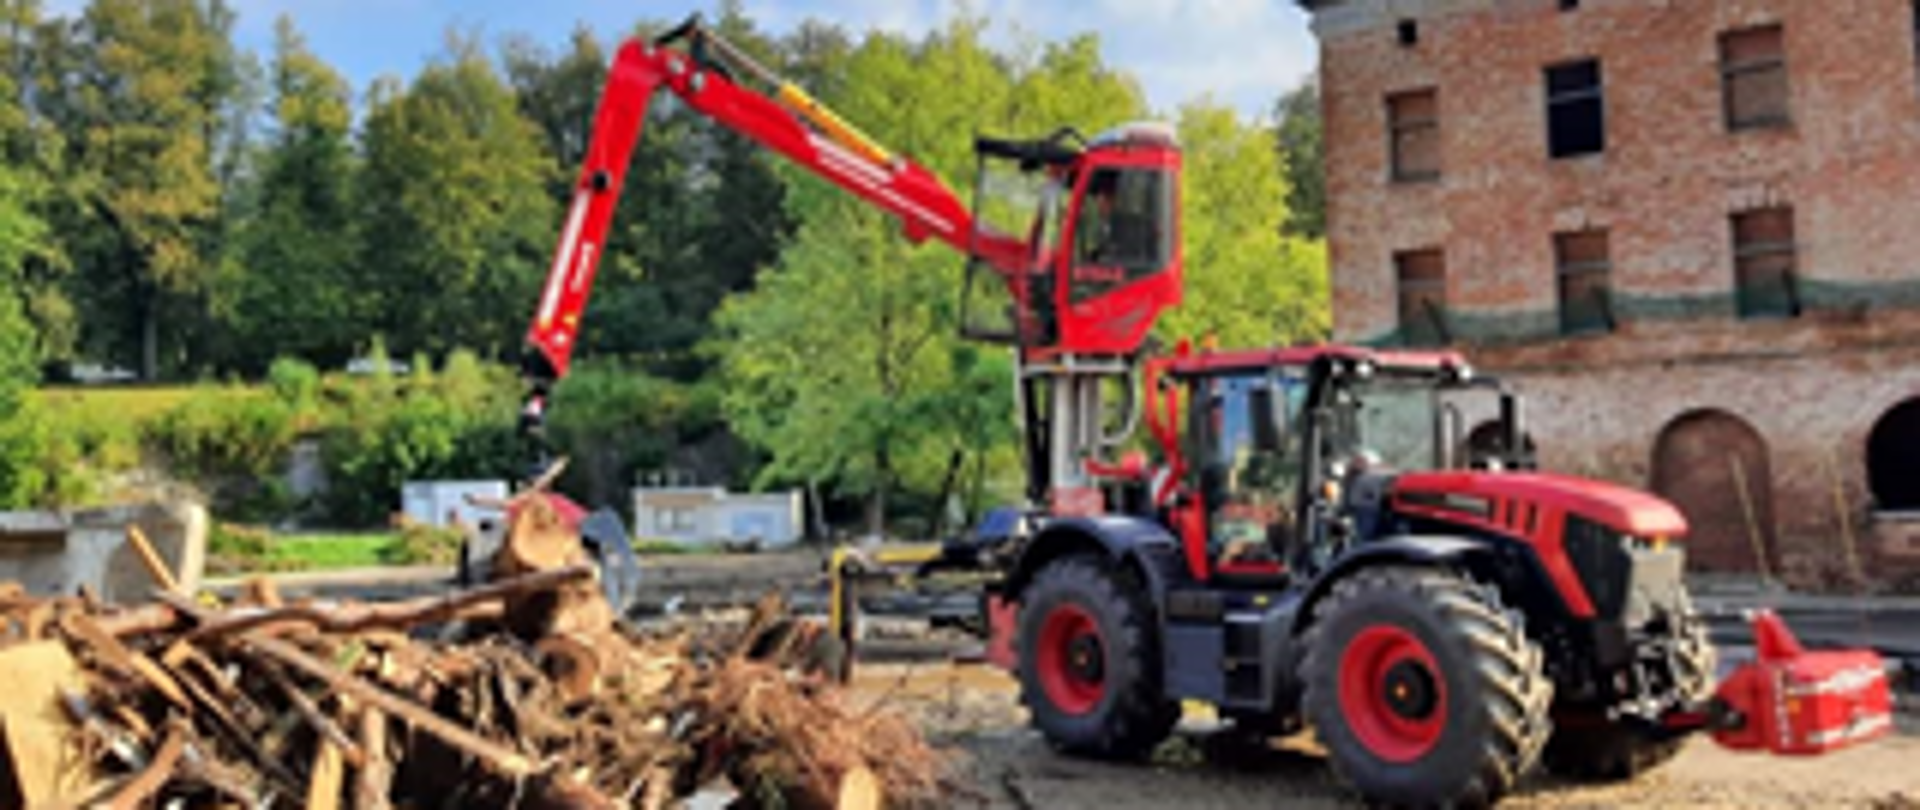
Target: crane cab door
1118	263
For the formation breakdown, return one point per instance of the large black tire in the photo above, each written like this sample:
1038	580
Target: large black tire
1090	667
1589	748
1424	688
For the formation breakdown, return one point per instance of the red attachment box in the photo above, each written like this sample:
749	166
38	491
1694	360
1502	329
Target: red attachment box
1798	703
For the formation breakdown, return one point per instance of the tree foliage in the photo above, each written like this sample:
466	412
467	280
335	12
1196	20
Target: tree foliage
1248	284
315	302
455	207
1298	116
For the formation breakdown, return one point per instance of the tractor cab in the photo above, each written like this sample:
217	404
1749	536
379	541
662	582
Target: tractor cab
1285	456
1098	221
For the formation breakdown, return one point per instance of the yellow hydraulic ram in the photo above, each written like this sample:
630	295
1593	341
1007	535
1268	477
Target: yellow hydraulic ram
836	128
804	105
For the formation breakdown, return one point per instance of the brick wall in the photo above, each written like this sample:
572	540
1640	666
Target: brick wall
1805	392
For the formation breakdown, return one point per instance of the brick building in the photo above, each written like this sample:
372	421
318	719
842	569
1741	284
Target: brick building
1689	230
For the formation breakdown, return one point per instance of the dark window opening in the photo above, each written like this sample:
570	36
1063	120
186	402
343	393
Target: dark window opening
1487	443
1569	5
1123	230
1422	279
1584	270
1753	78
1576	110
1409	31
1764	259
1413	129
1893	459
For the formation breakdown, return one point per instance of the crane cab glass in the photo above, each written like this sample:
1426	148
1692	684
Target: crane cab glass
1123	230
1099	233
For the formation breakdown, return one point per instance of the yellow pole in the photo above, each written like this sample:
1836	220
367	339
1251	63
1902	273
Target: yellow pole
835	127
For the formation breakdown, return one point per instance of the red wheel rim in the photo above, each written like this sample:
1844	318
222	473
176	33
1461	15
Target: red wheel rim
1392	693
1070	660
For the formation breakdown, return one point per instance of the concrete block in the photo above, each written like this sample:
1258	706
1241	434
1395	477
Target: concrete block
58	552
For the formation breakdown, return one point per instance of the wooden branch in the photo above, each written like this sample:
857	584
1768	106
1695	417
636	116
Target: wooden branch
326	779
309	711
498	757
140	621
82	628
373	782
394	616
150	558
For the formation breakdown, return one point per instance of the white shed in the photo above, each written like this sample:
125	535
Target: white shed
436	503
704	515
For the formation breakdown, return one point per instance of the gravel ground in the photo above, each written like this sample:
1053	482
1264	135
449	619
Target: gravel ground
974	711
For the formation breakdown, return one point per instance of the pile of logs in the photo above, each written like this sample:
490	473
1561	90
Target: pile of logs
524	692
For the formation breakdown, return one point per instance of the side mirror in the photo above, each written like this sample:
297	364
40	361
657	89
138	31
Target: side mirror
1269	417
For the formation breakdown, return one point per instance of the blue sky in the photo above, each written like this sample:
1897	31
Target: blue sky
1243	52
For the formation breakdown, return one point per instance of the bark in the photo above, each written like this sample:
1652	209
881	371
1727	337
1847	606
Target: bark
948	483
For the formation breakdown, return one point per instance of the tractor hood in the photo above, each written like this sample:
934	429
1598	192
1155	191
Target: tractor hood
1625	510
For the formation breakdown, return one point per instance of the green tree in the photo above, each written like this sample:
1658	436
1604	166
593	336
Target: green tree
29	146
135	86
454	208
302	294
1247	284
1298	114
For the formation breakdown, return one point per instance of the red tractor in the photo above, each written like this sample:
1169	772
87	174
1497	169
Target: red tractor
1308	547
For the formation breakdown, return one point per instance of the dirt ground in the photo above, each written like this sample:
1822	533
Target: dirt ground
975	712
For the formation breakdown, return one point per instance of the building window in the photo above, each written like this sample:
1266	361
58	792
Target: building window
1422	277
1764	257
1753	78
1576	110
1409	33
1584	269
1916	37
1413	124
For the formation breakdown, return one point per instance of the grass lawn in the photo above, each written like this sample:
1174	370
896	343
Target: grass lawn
133	405
322	552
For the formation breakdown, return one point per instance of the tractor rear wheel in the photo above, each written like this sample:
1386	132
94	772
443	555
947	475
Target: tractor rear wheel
1588	747
1424	689
1090	661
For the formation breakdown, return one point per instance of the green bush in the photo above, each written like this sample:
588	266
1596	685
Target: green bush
454	424
24	442
235	549
221	432
421	544
295	383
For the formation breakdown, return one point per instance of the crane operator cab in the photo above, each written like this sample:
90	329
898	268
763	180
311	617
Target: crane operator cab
1099	225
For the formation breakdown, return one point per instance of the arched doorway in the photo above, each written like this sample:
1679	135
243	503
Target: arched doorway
1893	459
1701	463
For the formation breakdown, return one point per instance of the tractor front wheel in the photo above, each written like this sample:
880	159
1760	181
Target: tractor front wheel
1090	661
1424	689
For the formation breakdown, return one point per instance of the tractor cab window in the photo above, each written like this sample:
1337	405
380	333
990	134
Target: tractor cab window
1383	422
1250	491
1123	231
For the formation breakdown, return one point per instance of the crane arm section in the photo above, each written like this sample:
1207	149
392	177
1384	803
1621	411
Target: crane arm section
789	123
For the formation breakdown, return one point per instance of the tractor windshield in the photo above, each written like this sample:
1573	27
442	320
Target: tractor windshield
1251	491
1388	421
